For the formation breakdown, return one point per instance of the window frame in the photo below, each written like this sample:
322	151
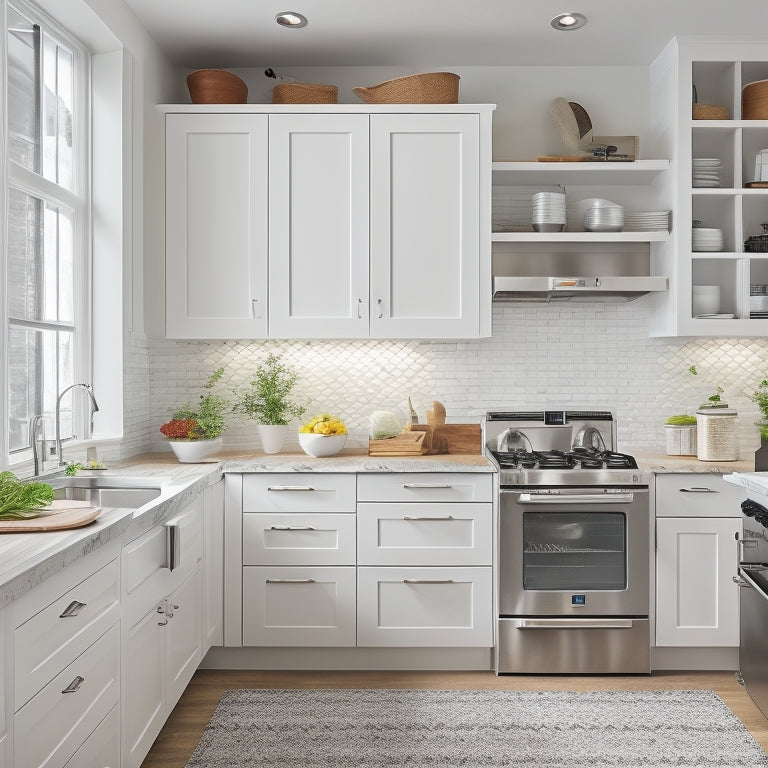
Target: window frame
78	200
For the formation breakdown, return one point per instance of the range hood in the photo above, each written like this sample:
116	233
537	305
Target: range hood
548	289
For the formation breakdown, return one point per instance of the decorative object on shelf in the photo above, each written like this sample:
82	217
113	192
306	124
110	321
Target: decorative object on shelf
194	433
680	434
760	396
706	171
304	93
758	300
705	300
761	165
267	400
710	112
425	88
754	101
757	243
575	128
323	435
216	86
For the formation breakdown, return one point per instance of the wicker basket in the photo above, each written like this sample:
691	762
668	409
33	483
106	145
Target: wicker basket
304	93
754	101
216	86
710	112
429	88
716	435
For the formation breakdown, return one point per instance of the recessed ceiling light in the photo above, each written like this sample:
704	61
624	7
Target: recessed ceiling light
568	21
291	19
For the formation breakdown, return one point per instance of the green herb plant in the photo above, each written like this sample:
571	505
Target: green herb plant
714	400
760	396
20	501
268	397
681	420
206	420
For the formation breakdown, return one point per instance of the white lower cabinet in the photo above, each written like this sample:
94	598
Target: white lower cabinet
697	601
424	607
102	749
299	606
213	566
163	625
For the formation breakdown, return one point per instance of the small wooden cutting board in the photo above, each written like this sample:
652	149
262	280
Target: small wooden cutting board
60	515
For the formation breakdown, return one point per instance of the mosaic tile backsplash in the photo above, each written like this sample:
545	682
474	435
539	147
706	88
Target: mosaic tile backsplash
583	355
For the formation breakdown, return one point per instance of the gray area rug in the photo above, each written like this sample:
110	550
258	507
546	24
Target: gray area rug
337	728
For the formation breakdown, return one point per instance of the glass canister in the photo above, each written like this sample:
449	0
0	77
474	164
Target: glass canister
716	434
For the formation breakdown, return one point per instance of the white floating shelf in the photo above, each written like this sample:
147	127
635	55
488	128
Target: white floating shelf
530	173
579	237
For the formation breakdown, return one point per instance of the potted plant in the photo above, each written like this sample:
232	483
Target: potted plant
681	435
267	400
323	435
760	396
195	432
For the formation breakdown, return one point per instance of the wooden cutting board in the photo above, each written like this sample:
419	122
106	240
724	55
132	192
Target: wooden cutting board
59	516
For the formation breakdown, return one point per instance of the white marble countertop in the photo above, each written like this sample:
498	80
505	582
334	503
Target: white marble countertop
660	463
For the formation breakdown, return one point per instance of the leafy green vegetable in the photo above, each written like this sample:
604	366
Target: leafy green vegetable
73	468
682	420
19	500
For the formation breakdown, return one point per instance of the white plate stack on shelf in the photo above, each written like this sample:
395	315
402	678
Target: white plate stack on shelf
706	171
549	211
646	221
599	215
706	239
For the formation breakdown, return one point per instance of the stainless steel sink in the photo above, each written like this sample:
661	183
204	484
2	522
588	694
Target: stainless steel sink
117	491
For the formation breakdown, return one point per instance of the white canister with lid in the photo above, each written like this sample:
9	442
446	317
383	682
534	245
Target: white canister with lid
716	434
761	165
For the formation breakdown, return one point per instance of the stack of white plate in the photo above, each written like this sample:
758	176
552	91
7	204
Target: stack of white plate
707	239
706	171
549	211
646	221
604	218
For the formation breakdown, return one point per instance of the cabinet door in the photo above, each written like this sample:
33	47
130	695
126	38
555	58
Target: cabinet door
213	567
216	226
102	747
425	226
143	701
697	602
183	642
318	226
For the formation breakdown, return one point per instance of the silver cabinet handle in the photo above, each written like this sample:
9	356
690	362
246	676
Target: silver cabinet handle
428	581
72	609
173	543
359	309
162	623
576	624
380	305
427	485
408	517
290	488
290	581
74	685
582	498
694	489
255	308
292	528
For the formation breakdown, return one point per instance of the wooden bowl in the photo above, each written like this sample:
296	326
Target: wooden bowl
216	86
754	101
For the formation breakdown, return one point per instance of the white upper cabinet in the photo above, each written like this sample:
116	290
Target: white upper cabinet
216	226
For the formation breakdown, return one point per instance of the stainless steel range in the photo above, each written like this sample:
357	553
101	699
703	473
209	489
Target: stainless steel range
573	586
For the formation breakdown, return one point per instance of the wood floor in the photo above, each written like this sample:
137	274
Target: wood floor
181	733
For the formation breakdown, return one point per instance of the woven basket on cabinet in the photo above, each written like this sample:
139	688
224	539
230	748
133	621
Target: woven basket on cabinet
428	88
304	93
216	86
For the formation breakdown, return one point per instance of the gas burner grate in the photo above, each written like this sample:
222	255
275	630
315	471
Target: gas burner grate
578	458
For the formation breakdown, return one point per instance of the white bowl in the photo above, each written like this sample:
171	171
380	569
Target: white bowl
192	451
321	445
706	299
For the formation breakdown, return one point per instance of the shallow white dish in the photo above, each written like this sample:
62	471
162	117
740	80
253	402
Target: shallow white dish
321	445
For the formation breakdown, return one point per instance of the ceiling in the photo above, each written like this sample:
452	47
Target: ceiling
243	33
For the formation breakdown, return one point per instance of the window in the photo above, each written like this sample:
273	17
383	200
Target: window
48	254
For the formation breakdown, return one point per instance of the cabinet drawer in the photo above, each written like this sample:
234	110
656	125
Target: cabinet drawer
298	606
50	728
424	607
51	639
299	492
424	534
425	486
102	748
146	578
702	494
324	539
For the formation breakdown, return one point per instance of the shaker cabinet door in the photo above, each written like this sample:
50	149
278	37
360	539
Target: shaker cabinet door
216	226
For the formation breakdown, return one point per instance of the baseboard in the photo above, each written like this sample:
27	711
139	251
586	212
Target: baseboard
695	659
462	659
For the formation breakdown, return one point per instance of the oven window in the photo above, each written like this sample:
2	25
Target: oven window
574	551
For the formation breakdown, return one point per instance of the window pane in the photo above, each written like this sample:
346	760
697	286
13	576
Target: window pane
39	365
23	91
57	113
40	259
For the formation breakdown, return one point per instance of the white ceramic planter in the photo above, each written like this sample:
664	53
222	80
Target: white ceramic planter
321	445
273	437
191	451
681	440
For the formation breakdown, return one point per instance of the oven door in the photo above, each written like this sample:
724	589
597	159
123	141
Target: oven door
570	552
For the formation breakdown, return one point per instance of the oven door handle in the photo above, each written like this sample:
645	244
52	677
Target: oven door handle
745	580
581	498
575	624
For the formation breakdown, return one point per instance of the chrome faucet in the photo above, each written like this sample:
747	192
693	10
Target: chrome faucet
93	405
35	427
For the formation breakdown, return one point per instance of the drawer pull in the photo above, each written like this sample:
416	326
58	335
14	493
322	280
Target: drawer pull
428	581
408	517
292	528
427	485
697	490
72	609
290	488
74	686
290	581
